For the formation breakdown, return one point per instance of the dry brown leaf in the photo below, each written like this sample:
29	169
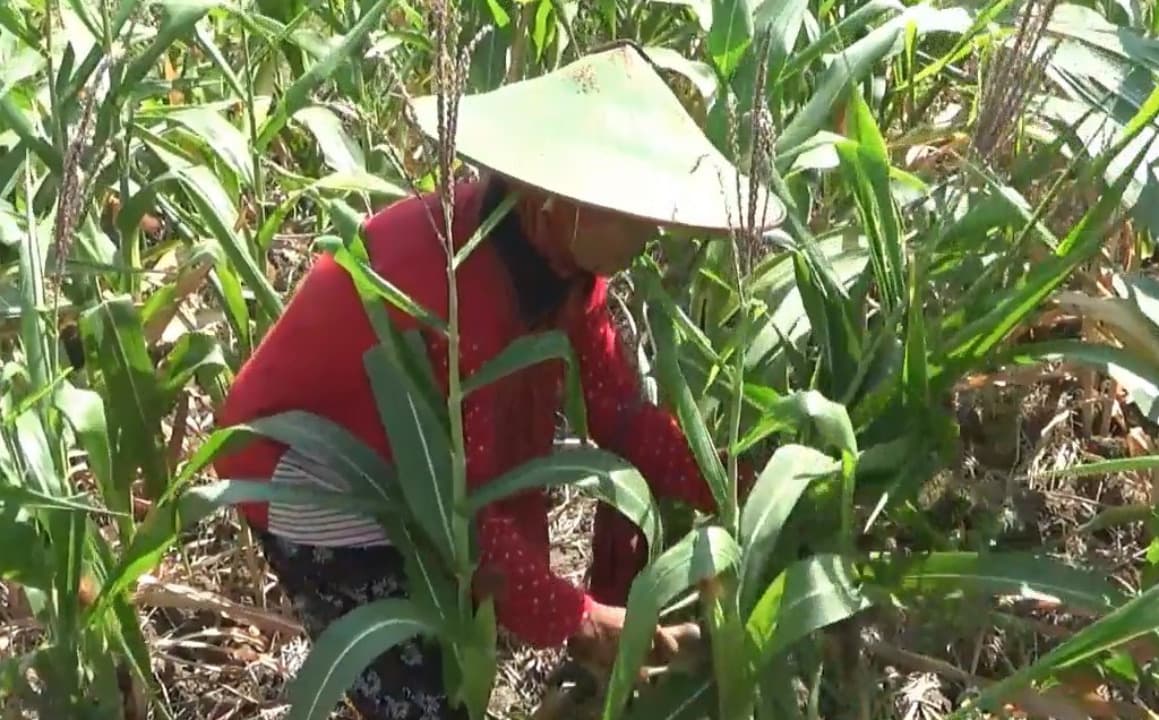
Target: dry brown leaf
152	592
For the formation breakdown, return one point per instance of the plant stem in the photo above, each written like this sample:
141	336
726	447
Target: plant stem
448	89
738	398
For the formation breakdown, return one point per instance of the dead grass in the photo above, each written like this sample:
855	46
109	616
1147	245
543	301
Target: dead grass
226	641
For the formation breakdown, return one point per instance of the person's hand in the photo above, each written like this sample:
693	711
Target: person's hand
598	639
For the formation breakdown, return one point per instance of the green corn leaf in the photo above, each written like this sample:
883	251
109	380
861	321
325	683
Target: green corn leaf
193	355
674	697
314	436
836	34
701	555
33	333
1085	238
220	136
1136	372
832	314
339	151
656	294
37	455
852	64
178	18
14	23
16	496
114	343
217	212
531	350
364	275
730	35
21	65
31	566
358	181
407	349
789	319
85	413
772	499
205	39
135	647
13	118
421	449
175	514
1107	467
66	544
229	290
346	648
733	679
479	660
798	411
783	22
673	385
865	166
1133	619
1026	575
809	595
598	473
915	370
981	336
298	94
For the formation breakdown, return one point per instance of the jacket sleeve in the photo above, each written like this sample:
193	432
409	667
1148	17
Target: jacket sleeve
619	417
531	601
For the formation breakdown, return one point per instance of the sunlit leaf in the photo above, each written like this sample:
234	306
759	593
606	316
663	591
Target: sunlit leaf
346	648
674	386
771	500
699	556
298	94
115	344
218	134
339	151
600	474
1023	575
1133	619
421	449
810	594
85	411
730	34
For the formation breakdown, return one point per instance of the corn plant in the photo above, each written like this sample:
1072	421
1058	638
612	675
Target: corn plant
893	373
826	353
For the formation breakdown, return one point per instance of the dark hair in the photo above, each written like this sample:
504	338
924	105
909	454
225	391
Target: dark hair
540	292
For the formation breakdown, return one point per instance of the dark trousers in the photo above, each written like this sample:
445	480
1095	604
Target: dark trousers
325	583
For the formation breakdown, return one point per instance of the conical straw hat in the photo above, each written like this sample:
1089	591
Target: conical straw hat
606	131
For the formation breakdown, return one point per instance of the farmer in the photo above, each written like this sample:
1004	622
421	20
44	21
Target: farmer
599	153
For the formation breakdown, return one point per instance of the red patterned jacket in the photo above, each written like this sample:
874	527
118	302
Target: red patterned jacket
312	360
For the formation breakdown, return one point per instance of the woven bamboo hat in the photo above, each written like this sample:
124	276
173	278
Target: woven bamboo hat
606	131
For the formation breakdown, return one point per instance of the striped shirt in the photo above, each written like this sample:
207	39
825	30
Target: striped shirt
311	524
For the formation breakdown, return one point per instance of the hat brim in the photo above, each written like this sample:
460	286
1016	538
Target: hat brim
606	131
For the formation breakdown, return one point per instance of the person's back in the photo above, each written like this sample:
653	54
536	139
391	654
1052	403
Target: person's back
312	357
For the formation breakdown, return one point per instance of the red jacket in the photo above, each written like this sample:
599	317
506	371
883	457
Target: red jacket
312	360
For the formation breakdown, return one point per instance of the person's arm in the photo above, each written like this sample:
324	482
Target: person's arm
541	608
620	418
